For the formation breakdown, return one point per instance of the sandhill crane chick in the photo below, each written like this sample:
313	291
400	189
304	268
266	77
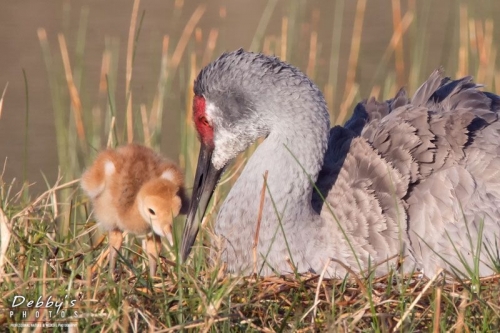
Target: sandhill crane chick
134	189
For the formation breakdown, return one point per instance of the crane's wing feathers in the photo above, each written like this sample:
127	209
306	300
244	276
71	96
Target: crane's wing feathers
426	90
408	170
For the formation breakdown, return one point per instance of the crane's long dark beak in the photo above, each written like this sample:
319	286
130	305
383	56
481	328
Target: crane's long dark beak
205	180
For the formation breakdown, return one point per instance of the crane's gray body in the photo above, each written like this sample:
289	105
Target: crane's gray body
418	177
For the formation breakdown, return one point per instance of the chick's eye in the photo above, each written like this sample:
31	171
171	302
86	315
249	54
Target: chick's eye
152	212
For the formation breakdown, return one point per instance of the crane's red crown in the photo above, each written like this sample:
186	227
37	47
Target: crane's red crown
205	130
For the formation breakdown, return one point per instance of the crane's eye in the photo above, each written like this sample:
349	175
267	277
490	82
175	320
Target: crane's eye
203	120
152	212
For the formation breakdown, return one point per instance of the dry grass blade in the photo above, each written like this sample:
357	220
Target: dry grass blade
130	127
130	45
192	76
188	30
145	127
463	55
399	55
44	195
398	35
354	275
105	66
157	107
485	54
415	302
348	101
259	219
73	91
284	37
211	43
130	60
313	45
316	297
460	324
437	309
263	23
496	75
313	50
355	46
109	144
1	99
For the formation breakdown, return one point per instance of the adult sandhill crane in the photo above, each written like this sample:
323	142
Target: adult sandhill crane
419	176
134	189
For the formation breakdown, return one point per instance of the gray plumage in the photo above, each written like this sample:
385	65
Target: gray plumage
416	176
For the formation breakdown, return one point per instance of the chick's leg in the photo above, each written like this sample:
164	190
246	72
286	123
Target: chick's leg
153	248
115	243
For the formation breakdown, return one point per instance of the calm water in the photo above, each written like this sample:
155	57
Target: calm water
19	21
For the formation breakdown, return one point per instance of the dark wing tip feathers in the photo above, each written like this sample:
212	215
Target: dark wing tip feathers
437	93
358	119
449	87
435	90
495	100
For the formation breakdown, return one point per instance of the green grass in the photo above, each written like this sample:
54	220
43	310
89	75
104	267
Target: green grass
53	247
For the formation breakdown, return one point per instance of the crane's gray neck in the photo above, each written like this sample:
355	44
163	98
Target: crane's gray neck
295	146
261	96
284	105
